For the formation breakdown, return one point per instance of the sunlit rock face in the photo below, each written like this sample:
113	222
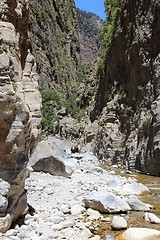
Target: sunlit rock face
20	108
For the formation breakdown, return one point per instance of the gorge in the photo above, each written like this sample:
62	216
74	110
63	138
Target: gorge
58	91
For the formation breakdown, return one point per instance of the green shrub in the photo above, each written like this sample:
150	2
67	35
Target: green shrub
106	32
52	101
129	111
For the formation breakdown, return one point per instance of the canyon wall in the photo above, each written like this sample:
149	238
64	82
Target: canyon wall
55	43
127	103
20	108
89	25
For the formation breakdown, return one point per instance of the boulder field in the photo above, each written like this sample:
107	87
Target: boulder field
74	206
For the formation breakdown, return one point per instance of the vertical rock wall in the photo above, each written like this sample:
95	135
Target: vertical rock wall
128	100
55	43
20	108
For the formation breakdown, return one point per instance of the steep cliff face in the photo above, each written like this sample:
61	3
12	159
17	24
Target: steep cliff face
55	43
128	101
89	25
20	104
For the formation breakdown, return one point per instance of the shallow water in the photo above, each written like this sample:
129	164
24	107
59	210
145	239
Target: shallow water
135	218
153	183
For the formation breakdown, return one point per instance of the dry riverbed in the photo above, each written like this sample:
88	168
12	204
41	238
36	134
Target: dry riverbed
80	202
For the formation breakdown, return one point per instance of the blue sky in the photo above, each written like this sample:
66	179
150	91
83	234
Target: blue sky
95	6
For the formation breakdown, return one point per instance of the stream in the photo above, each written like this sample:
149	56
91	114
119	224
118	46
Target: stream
135	218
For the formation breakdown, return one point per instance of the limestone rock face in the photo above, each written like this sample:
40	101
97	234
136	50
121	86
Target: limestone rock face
20	105
88	27
127	101
54	42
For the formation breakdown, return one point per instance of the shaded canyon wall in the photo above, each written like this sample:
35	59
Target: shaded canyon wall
127	103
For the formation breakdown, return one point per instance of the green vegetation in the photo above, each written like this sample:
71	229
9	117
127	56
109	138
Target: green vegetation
85	14
109	97
53	26
82	73
42	16
129	35
106	32
129	111
140	88
52	101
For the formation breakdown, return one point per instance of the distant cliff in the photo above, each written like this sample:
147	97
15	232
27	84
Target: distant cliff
89	26
60	36
128	100
62	40
55	43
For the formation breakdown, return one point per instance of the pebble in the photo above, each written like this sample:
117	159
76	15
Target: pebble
93	214
77	209
11	232
65	209
55	219
58	202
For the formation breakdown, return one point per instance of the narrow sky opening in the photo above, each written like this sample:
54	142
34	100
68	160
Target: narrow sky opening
95	6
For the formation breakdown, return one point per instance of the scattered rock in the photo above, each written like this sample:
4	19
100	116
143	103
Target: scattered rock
85	234
58	202
152	218
55	219
106	202
136	204
118	223
93	214
65	209
110	237
44	230
132	187
77	209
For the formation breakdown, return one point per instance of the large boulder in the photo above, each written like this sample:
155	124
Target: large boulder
50	156
123	186
136	204
51	165
139	234
106	202
20	105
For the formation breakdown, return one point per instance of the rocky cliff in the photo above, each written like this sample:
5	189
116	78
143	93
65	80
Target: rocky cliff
89	25
55	43
128	101
20	104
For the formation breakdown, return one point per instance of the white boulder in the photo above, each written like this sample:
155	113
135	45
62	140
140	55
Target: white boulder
139	234
118	223
152	218
106	202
